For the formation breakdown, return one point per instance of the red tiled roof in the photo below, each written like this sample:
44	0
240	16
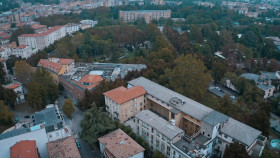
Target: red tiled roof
63	148
2	59
120	145
90	78
65	61
55	67
121	94
25	148
3	33
38	26
42	34
21	46
13	86
7	36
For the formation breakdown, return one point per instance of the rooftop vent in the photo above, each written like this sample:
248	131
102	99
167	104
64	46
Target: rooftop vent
122	142
176	101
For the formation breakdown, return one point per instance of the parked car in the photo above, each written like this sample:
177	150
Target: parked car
16	120
26	116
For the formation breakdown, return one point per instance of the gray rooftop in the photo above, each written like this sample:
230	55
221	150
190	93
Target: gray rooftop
187	105
215	117
160	124
13	133
240	131
189	147
251	76
217	92
49	117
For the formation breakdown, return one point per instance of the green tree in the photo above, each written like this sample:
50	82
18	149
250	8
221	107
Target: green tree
68	107
189	76
269	154
2	74
23	71
96	123
235	150
218	71
158	154
10	97
34	95
5	115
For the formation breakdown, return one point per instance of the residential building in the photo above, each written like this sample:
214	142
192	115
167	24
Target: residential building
89	22
123	103
262	83
71	28
4	38
63	148
75	81
5	52
56	69
24	149
23	51
158	132
52	120
40	41
148	15
206	131
67	64
118	144
272	77
17	87
9	139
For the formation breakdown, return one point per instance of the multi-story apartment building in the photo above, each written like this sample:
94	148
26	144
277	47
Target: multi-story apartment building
148	15
23	51
206	131
123	103
158	132
71	28
40	41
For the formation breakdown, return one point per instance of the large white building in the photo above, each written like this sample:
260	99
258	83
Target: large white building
148	15
71	28
23	51
183	128
39	41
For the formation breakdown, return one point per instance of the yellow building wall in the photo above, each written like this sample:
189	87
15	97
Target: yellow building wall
127	112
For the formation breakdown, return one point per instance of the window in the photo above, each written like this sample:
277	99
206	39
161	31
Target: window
135	104
168	150
131	112
135	99
131	101
135	110
140	103
50	135
152	130
163	138
226	136
151	104
131	106
162	147
157	142
158	134
172	115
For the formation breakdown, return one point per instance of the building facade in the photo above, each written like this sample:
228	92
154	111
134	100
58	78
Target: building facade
206	132
39	41
123	103
148	15
23	51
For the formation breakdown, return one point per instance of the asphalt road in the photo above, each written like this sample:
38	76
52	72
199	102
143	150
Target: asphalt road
86	150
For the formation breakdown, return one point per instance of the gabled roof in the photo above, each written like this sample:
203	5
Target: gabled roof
2	59
215	117
121	94
120	145
65	61
187	105
63	148
24	148
13	86
51	30
90	78
240	131
55	67
38	26
21	46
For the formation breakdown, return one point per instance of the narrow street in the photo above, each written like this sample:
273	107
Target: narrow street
86	150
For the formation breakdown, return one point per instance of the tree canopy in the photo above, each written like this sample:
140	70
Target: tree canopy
68	107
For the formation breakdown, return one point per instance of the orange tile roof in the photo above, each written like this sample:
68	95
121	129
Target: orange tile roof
65	61
21	46
42	34
52	66
3	34
90	78
121	94
13	86
120	145
63	148
2	59
25	148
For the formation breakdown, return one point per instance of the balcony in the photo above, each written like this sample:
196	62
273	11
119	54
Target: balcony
261	140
